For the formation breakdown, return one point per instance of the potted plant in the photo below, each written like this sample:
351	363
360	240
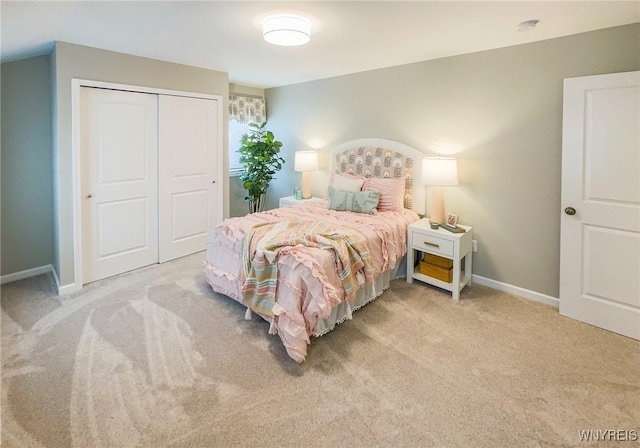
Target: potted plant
259	157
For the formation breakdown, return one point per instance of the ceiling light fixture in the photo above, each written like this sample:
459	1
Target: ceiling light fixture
527	25
286	30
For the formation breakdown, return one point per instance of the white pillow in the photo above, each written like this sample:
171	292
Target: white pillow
341	182
345	181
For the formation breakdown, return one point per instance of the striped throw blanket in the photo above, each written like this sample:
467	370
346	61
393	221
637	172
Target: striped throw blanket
263	244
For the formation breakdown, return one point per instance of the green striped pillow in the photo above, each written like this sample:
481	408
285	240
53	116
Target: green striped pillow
353	201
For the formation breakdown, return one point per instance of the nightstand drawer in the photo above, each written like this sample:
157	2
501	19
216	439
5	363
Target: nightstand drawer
432	244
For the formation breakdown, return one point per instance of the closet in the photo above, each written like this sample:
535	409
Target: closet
148	182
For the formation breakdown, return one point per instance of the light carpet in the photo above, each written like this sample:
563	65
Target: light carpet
153	358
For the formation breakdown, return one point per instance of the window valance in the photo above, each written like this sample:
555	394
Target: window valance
245	108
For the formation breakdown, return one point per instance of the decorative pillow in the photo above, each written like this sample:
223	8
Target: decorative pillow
378	163
353	201
345	182
391	191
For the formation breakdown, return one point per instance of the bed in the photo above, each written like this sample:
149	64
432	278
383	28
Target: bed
306	268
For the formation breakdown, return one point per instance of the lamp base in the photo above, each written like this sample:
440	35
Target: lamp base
436	211
306	185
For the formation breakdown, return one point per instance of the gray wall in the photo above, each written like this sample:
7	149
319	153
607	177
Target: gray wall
499	112
75	61
26	226
237	193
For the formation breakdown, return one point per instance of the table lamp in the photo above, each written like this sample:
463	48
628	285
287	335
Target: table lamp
439	172
306	161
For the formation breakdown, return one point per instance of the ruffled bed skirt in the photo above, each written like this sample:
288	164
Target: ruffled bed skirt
221	283
365	294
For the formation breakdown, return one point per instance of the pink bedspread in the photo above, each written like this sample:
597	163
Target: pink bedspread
308	287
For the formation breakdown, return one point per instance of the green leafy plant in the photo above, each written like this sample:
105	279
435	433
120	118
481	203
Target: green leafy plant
259	157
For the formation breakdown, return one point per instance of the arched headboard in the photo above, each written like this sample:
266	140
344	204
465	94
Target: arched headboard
379	157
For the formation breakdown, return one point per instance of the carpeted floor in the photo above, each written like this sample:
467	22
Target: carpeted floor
154	358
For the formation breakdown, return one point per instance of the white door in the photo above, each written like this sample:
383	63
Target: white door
119	166
188	142
600	242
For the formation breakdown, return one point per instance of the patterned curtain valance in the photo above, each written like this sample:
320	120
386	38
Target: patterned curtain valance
245	108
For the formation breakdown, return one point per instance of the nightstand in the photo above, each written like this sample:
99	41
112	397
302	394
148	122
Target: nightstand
290	201
422	239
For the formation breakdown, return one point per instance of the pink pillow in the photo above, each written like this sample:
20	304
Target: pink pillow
391	192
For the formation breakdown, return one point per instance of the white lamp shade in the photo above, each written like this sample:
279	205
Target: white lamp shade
306	161
440	171
286	30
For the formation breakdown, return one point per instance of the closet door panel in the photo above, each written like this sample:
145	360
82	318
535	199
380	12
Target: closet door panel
188	138
119	165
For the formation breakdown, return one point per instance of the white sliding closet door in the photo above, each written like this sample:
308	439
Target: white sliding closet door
119	170
188	142
149	190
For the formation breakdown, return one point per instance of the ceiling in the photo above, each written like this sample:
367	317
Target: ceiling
347	36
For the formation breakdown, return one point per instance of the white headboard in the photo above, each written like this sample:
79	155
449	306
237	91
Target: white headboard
379	157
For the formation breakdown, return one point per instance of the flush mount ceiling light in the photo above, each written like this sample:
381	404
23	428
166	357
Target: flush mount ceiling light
287	30
527	25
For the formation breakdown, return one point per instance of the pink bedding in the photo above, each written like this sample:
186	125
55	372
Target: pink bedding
308	287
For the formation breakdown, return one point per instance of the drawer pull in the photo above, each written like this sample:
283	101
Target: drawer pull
427	243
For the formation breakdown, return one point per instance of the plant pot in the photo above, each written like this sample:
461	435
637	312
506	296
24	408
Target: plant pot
257	204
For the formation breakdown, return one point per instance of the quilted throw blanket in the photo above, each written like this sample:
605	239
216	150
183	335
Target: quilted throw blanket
264	243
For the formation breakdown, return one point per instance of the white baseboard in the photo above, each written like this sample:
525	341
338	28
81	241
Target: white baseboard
25	274
500	286
68	289
516	290
63	289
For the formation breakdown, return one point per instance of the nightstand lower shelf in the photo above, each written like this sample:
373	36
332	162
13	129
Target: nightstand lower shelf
464	281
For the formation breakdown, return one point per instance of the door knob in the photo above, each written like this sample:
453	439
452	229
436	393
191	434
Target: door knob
570	211
89	196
